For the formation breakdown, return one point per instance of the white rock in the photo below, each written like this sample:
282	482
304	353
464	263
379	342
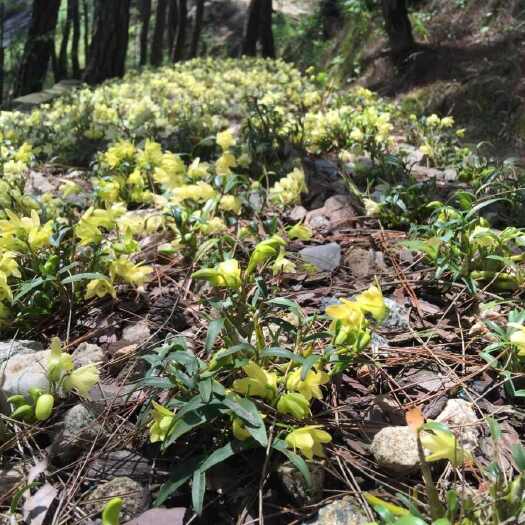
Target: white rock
25	371
87	353
459	415
395	449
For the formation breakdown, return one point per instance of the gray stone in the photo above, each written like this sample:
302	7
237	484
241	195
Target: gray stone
297	214
295	484
119	463
397	318
135	497
326	257
395	449
87	353
80	431
136	333
27	369
10	478
344	511
459	415
11	348
24	371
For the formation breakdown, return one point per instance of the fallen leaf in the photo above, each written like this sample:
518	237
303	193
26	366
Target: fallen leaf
414	418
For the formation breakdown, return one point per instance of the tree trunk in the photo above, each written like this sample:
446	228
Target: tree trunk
266	30
180	42
398	28
85	9
157	45
61	66
38	47
107	53
330	17
145	13
197	28
251	31
173	19
75	42
2	52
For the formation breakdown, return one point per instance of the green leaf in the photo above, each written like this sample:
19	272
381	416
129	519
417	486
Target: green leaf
240	411
198	489
495	429
518	454
214	330
204	248
282	353
242	347
221	454
179	475
30	286
205	389
307	365
298	462
258	431
482	205
83	277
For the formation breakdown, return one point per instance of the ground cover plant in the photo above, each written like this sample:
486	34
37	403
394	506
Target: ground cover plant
242	293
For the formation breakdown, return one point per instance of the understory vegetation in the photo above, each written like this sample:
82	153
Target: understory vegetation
182	200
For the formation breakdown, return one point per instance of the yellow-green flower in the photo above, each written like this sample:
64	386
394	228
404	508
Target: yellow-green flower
135	274
309	440
301	232
82	379
44	407
259	382
162	419
100	288
372	208
518	338
230	203
239	430
226	274
264	251
348	312
58	362
294	404
443	445
371	301
225	139
311	386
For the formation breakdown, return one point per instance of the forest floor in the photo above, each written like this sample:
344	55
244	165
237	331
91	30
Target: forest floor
141	222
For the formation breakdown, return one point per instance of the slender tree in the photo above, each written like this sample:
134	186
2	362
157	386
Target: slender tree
75	40
173	19
197	28
259	29
2	52
38	48
85	9
330	12
61	61
398	28
145	14
251	30
157	44
266	30
109	45
180	41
